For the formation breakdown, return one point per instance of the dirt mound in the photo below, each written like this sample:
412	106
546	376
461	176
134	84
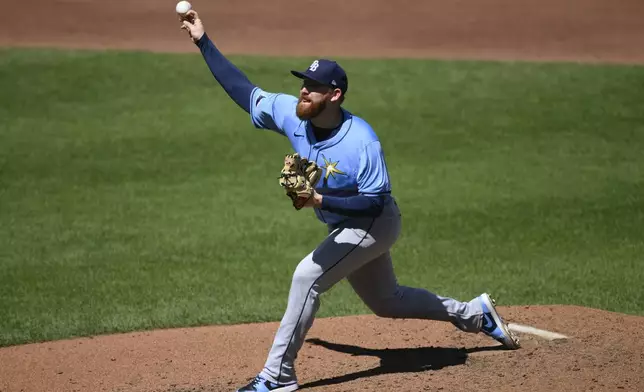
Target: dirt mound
603	352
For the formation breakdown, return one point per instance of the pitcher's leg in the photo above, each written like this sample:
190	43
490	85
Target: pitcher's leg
377	286
341	253
303	303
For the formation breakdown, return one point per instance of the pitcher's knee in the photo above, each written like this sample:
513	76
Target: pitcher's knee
302	279
306	279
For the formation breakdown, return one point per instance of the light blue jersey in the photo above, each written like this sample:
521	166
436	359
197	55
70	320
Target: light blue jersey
352	158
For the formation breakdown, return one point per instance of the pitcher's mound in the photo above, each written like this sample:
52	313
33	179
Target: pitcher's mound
604	351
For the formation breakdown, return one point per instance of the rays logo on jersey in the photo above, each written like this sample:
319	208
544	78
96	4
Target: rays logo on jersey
331	169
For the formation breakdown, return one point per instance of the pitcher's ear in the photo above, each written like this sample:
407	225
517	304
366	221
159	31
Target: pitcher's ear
337	95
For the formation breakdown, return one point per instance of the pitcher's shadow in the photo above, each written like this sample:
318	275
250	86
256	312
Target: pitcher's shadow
399	360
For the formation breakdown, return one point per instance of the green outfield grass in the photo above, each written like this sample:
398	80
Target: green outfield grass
135	194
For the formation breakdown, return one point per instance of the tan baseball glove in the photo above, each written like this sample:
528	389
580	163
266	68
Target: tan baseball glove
298	178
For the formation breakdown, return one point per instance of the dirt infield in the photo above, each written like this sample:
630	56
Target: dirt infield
603	352
586	30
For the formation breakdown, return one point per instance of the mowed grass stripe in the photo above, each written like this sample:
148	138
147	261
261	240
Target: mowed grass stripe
135	194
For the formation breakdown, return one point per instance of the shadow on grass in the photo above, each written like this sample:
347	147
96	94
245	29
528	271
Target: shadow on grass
400	360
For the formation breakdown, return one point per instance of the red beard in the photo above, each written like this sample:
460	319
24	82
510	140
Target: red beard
308	110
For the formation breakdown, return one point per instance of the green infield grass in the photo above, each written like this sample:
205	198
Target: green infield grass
134	194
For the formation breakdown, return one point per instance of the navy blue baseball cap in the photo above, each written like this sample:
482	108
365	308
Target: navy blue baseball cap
326	72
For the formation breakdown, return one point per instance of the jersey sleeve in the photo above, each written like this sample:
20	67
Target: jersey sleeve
373	175
271	110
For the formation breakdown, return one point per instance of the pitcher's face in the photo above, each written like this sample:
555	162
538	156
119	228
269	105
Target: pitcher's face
314	98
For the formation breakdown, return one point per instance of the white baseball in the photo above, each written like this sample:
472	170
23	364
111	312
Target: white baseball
183	7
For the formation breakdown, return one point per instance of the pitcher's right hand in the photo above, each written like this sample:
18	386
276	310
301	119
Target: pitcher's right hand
193	25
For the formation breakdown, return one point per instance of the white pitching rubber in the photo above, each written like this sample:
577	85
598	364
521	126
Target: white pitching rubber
518	328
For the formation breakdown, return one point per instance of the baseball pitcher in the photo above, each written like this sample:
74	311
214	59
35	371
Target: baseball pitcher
337	169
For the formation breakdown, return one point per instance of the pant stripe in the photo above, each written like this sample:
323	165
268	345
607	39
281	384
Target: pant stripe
309	292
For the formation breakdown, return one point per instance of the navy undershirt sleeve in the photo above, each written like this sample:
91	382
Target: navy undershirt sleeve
234	82
359	205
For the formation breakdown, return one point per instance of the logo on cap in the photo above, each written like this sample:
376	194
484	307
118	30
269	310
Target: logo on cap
314	66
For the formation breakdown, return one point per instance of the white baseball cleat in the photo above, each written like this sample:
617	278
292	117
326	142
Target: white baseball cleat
260	384
494	326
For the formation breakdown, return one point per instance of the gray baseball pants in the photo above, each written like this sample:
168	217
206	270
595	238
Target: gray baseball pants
359	251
